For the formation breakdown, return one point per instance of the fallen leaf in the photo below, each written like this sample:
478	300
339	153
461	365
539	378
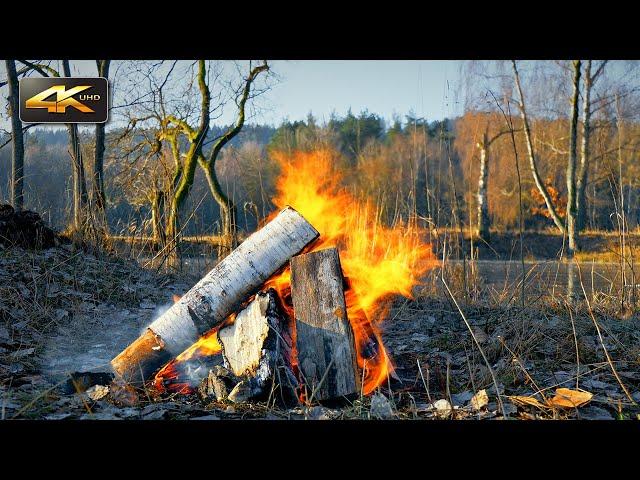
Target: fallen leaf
480	400
567	398
97	392
527	401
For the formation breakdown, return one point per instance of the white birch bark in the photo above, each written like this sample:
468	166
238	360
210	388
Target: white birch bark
231	281
225	287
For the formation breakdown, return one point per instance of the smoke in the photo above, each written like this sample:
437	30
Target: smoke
157	313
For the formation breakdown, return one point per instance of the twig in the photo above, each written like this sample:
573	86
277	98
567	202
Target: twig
486	360
324	377
606	352
426	384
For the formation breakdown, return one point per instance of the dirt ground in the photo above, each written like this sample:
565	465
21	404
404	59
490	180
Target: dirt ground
63	310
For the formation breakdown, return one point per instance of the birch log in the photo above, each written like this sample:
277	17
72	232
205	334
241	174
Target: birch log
324	337
218	294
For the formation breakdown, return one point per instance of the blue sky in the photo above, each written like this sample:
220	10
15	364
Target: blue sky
383	87
428	88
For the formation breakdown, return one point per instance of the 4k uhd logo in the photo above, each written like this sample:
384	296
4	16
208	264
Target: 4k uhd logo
64	100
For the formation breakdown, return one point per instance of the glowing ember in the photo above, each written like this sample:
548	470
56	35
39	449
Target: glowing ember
171	376
377	261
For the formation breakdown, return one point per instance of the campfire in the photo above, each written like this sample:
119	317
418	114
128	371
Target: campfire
295	311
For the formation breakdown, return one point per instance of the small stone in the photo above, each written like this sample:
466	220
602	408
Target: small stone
319	413
420	337
380	407
99	416
596	385
478	332
23	353
562	376
58	416
443	408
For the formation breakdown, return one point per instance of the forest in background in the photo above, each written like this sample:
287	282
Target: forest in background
539	142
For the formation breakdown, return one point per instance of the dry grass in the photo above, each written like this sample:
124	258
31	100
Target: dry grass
549	343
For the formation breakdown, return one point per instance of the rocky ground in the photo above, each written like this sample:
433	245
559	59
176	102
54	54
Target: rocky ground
63	310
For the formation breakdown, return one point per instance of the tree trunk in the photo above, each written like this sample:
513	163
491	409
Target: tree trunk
557	219
583	171
17	149
483	207
77	167
172	244
98	164
157	218
227	209
79	183
208	164
572	230
221	291
324	337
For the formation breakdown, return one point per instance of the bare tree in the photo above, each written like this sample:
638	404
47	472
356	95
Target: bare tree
483	145
187	167
572	231
208	163
175	127
17	158
80	197
590	79
557	219
98	162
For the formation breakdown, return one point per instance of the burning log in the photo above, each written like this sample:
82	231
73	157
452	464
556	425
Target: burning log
217	295
257	348
324	338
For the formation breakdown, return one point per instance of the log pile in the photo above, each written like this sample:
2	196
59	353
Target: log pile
260	359
217	295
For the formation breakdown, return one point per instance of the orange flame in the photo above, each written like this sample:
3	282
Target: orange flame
378	261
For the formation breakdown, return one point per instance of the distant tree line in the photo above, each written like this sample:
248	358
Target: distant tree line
546	144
